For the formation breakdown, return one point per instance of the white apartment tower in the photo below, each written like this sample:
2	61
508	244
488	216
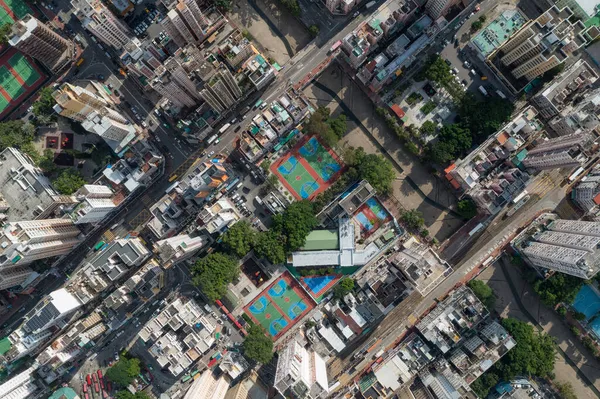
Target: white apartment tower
181	77
567	246
95	204
221	92
23	242
560	152
103	24
301	371
178	248
171	29
585	194
37	40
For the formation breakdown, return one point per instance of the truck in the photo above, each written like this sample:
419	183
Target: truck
483	90
370	4
335	46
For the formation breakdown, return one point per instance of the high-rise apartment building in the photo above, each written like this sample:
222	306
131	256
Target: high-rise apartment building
25	192
301	371
178	248
541	45
102	23
171	30
166	86
185	23
180	76
567	246
92	109
37	40
222	91
575	118
560	152
95	204
573	83
585	194
23	242
437	8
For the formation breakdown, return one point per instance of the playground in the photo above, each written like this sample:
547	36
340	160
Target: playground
371	216
280	306
308	169
19	78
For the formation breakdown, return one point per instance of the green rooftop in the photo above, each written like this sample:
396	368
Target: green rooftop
4	345
319	240
63	393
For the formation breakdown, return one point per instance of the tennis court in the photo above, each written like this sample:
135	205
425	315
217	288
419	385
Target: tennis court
4	17
9	83
320	159
296	175
280	306
18	7
22	67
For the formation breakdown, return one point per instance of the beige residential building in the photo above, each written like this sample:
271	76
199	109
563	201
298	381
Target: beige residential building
168	87
541	45
222	91
102	23
37	40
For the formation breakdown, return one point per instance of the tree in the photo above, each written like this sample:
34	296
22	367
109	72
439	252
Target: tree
295	223
484	293
373	168
68	182
483	117
345	286
467	208
46	162
476	25
339	126
224	5
257	346
313	30
4	33
124	394
428	128
265	165
239	239
213	272
565	389
45	102
436	70
579	316
270	245
413	219
452	141
124	371
558	288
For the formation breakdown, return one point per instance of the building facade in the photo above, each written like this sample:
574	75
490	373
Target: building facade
102	23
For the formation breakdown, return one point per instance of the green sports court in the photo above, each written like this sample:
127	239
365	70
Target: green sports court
19	78
280	306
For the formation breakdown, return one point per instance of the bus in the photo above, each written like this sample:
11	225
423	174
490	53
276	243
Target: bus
85	388
335	46
575	174
224	128
80	62
185	378
211	139
519	197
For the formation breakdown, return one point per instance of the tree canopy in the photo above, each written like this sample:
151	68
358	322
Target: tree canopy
124	371
257	346
345	286
467	208
558	288
484	117
413	219
330	130
484	293
69	181
270	245
213	272
239	239
533	355
124	394
295	223
4	33
453	140
44	104
374	168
